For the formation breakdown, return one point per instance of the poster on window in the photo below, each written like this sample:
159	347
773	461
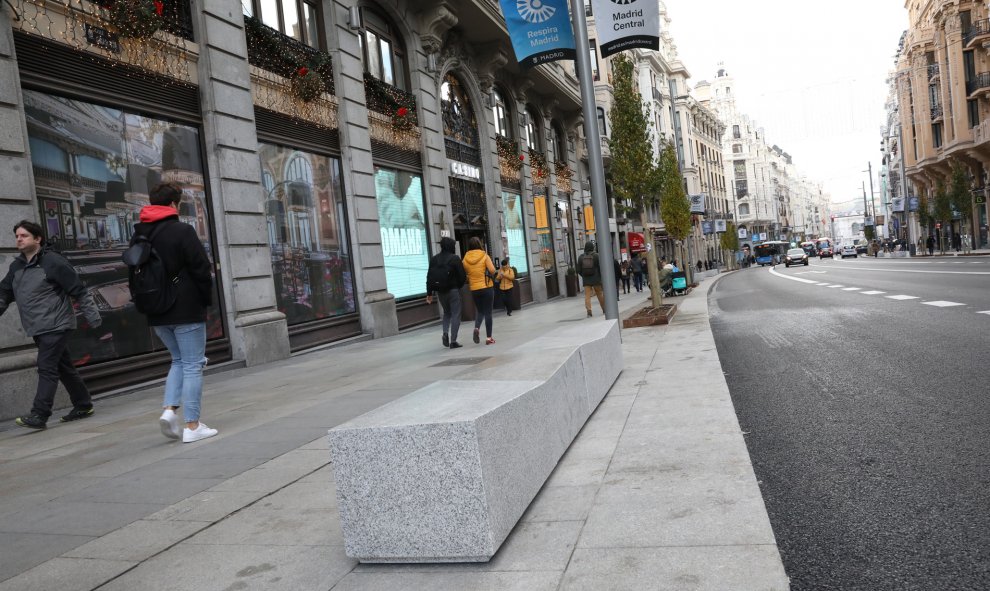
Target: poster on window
540	30
515	232
403	230
95	166
627	24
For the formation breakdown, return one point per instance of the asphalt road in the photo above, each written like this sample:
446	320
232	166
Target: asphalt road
866	416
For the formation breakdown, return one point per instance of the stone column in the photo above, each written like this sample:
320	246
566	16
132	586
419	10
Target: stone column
258	331
17	202
376	304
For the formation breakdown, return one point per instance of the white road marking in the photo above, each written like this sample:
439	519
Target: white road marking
891	270
852	288
834	286
791	277
984	312
903	297
872	292
942	304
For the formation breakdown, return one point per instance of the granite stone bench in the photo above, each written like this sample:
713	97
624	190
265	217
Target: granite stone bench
444	473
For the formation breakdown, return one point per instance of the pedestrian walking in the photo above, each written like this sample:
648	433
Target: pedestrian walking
42	282
480	274
637	270
445	277
591	276
617	270
624	273
506	276
930	243
180	323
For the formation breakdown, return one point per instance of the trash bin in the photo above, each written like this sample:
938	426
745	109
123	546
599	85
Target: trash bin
914	250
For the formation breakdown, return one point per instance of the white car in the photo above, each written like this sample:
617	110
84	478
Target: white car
849	251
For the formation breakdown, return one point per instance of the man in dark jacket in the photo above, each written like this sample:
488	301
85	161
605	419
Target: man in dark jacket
450	298
41	282
591	275
182	327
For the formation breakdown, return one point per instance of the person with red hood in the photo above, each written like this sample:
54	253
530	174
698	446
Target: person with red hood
182	327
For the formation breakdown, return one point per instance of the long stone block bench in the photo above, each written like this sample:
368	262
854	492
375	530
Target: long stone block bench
444	473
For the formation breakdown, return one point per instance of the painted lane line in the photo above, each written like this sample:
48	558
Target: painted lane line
942	304
835	286
984	312
791	277
902	297
872	292
890	270
851	288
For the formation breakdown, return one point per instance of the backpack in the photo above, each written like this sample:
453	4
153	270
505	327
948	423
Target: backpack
439	276
152	290
587	265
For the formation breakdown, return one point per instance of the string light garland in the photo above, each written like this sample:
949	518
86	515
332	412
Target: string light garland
138	19
564	175
538	164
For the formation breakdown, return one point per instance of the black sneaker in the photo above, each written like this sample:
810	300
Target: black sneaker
31	422
446	340
455	345
77	413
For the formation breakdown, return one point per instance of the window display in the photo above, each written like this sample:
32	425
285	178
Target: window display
404	241
515	232
93	167
311	259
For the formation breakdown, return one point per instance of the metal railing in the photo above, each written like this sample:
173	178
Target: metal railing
977	29
936	112
276	52
981	80
932	71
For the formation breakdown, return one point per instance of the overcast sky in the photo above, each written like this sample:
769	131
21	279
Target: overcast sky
812	74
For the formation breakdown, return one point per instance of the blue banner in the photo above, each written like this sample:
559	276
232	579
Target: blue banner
707	228
540	30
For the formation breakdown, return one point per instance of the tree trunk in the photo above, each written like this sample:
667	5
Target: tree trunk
652	274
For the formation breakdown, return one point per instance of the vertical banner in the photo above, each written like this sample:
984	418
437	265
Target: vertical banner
626	24
636	242
540	30
589	218
697	203
720	226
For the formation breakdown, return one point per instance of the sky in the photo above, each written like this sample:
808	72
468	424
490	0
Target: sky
812	74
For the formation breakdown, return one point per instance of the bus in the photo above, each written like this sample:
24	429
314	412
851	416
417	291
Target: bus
770	252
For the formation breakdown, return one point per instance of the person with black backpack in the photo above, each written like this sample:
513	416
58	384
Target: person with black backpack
173	287
445	277
591	276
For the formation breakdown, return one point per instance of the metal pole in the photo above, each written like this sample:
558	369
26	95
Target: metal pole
597	168
869	166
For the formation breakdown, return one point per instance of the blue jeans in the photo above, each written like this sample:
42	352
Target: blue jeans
184	384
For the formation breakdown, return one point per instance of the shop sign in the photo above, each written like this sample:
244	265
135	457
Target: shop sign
541	31
626	24
707	228
913	203
102	38
636	242
897	204
720	226
743	233
697	203
465	171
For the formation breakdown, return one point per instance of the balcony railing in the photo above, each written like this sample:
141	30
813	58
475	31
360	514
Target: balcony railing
932	71
981	81
977	30
271	50
936	112
656	94
386	99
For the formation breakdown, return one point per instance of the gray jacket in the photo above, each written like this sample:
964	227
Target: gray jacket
42	288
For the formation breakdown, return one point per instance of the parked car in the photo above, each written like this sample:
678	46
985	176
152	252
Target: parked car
849	251
862	248
795	256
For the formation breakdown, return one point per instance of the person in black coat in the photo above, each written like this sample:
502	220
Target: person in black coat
182	327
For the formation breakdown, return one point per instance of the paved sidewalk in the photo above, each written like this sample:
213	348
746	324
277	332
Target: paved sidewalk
656	492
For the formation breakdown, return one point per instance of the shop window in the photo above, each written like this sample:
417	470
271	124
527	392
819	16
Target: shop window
593	49
382	50
401	220
744	209
312	265
298	19
515	230
93	168
534	125
602	131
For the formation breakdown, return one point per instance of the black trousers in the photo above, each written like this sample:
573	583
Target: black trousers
505	298
54	364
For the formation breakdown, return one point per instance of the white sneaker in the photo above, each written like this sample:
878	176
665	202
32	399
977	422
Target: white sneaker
201	432
169	422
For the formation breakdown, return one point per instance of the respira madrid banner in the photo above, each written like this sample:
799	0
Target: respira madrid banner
636	242
540	30
627	24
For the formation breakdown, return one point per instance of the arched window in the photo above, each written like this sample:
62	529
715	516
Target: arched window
602	131
501	115
382	50
534	127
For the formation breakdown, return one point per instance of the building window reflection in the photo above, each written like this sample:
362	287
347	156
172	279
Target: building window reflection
311	259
